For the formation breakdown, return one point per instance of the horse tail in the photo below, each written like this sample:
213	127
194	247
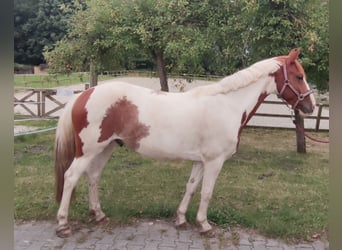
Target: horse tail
64	147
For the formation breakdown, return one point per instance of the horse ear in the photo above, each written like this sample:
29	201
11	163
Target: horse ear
293	55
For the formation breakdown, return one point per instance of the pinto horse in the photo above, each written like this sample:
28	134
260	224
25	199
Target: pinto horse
202	125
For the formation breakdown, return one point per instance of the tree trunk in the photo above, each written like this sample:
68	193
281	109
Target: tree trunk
159	55
93	74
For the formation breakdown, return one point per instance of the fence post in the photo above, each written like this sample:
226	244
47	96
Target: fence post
319	114
301	145
39	105
43	93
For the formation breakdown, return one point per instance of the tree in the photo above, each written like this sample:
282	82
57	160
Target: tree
279	25
216	37
316	45
87	45
225	27
37	23
235	34
120	29
154	25
23	12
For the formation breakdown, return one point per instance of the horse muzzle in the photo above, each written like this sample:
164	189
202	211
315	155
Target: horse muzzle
305	109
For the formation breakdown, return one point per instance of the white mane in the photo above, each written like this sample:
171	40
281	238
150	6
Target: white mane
241	78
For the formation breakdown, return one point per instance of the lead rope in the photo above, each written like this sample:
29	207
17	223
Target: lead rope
302	130
309	136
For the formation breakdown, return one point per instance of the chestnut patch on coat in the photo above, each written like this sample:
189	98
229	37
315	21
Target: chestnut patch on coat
121	119
245	118
260	100
79	119
243	123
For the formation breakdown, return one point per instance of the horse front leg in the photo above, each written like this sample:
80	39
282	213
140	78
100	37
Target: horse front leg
195	178
211	172
71	176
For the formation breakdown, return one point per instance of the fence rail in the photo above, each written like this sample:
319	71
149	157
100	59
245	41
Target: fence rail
37	107
318	118
34	102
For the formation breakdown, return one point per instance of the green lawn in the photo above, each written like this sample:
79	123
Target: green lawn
266	186
50	81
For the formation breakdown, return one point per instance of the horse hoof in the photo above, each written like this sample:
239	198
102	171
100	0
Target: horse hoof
209	234
182	226
103	221
64	231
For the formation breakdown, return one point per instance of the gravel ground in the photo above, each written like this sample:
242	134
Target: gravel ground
149	235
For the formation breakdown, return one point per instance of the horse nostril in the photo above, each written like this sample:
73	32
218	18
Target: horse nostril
308	108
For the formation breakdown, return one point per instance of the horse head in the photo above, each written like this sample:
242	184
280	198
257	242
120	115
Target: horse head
292	85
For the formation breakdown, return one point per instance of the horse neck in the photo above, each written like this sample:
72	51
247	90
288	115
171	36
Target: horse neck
258	72
247	100
254	95
245	90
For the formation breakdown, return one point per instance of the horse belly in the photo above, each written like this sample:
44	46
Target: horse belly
169	146
187	141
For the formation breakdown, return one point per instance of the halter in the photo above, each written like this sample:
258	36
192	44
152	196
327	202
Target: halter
300	97
287	83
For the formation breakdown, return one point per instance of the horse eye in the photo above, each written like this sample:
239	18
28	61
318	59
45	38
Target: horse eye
300	78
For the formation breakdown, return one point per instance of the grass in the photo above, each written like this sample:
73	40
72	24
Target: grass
53	80
31	122
266	186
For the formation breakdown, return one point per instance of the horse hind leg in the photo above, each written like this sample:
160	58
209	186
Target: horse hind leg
77	168
94	174
194	179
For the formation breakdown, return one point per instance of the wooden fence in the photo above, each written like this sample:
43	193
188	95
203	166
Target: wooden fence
36	107
318	117
34	101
